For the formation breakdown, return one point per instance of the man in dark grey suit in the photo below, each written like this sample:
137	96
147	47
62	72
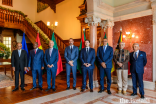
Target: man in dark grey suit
71	56
19	65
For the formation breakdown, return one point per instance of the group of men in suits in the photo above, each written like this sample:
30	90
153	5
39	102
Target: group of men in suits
38	60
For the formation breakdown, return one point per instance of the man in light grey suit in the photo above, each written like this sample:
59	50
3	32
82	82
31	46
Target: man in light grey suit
71	56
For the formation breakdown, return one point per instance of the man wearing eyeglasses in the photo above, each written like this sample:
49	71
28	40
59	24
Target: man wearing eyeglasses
104	57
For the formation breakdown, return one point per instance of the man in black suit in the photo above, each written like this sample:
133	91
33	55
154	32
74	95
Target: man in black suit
19	65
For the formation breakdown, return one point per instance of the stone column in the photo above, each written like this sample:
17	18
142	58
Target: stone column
93	22
108	26
153	5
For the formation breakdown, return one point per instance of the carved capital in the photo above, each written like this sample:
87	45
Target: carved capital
107	24
92	20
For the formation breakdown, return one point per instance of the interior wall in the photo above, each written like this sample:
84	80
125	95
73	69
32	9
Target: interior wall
143	28
28	7
66	13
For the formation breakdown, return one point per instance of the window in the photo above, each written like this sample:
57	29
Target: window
7	2
7	41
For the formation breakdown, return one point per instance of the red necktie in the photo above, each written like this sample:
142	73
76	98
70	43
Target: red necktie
35	51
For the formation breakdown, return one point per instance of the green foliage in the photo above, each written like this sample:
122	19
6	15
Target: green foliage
41	6
4	50
14	11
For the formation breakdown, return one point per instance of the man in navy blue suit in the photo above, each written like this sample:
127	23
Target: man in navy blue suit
36	64
71	55
51	59
87	57
138	61
104	57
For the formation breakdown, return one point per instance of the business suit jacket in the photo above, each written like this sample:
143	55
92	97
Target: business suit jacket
19	62
51	60
71	56
138	65
105	57
125	57
36	61
90	59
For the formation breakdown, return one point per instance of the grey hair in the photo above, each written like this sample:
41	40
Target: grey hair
136	44
122	43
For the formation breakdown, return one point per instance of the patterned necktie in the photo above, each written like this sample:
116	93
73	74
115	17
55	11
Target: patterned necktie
135	55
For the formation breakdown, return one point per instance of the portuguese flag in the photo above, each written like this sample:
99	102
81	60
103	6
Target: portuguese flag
82	45
38	41
59	63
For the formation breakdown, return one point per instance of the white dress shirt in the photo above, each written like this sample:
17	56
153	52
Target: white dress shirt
88	49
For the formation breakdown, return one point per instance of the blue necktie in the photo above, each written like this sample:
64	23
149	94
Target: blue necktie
104	49
19	53
135	55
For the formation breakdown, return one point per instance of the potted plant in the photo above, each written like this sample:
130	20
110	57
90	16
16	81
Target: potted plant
4	51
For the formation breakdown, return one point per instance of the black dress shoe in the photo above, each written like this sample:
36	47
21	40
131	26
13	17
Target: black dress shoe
109	92
41	88
133	94
142	97
101	90
15	89
54	89
47	89
82	90
74	88
22	89
91	90
67	88
33	88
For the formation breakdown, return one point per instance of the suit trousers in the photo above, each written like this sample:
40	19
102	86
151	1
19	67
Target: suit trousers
90	74
17	77
138	78
51	73
34	74
74	71
122	77
103	72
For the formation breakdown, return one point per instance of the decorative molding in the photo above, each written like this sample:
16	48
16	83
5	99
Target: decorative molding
133	15
92	20
105	6
107	24
130	5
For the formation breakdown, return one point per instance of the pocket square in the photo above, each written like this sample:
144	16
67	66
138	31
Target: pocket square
141	55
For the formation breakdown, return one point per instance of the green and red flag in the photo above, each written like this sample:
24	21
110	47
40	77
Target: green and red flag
82	45
59	63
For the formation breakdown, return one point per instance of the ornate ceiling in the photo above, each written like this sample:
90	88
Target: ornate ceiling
51	3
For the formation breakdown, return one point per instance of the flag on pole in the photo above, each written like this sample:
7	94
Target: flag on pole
59	63
82	45
38	41
24	47
113	68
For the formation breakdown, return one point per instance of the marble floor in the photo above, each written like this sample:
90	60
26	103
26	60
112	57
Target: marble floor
76	97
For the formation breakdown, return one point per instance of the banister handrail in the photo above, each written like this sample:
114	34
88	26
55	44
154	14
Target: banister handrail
48	31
